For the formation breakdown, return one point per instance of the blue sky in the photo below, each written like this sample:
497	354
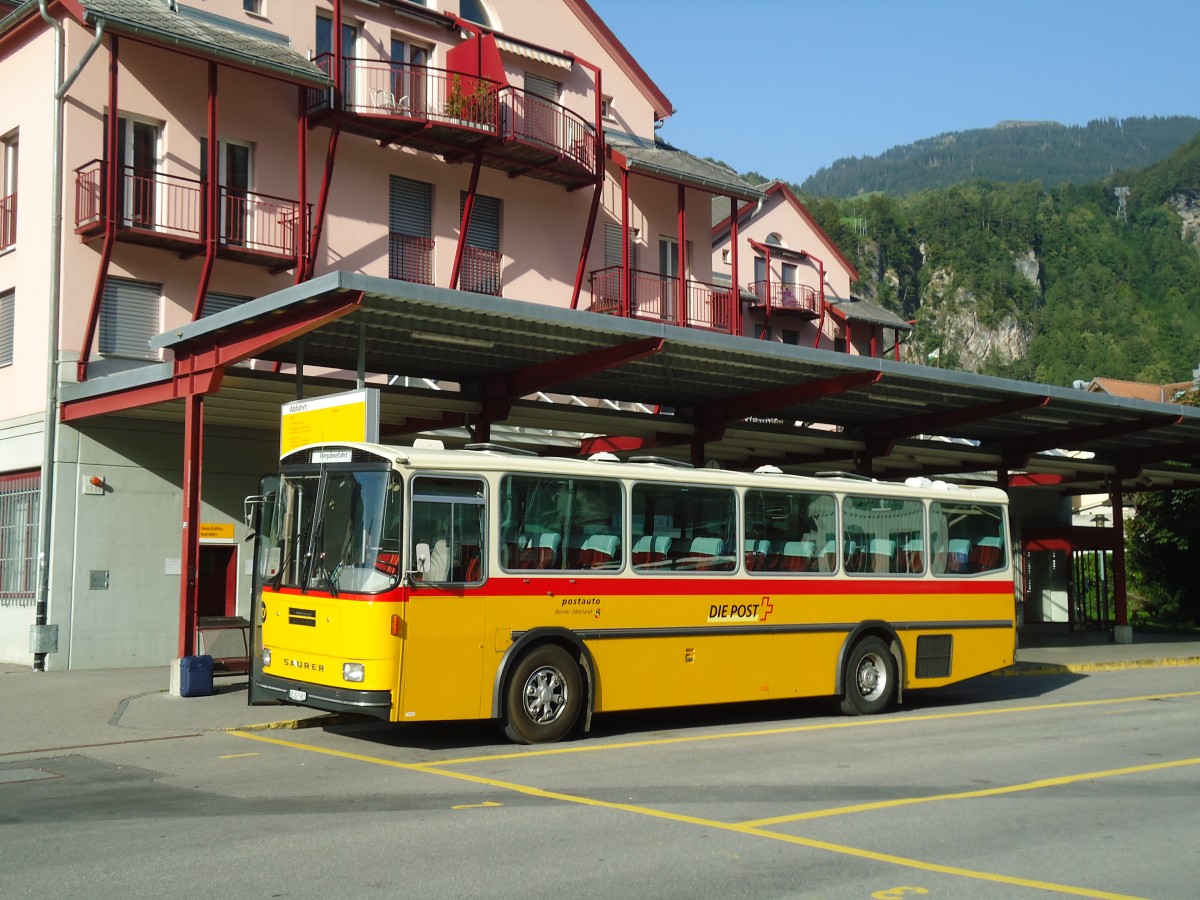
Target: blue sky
788	86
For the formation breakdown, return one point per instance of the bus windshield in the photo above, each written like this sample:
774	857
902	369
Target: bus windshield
338	531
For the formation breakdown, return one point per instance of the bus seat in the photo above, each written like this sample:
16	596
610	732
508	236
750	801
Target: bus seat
883	555
439	561
598	551
958	555
705	553
826	561
650	549
473	569
913	555
796	556
755	553
540	552
986	554
854	556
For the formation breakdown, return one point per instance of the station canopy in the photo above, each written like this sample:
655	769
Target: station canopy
576	381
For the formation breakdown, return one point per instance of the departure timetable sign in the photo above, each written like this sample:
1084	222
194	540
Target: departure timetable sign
349	416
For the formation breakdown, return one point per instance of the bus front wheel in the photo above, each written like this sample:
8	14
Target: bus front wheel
544	696
870	678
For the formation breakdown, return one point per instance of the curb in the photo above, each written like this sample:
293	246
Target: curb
1083	668
295	724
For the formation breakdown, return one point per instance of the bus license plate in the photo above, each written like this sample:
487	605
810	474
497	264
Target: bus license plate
297	696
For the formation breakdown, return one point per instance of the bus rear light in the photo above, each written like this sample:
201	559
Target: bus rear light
352	672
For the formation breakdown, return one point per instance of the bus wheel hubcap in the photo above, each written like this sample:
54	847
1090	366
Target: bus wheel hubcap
545	695
871	677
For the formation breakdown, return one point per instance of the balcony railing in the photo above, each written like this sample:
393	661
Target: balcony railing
438	110
480	271
404	91
8	221
171	206
656	297
532	119
781	297
410	258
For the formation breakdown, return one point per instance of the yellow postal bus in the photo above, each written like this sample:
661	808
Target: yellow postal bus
416	584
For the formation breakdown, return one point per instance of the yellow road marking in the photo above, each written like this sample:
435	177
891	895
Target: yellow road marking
236	755
973	795
486	804
734	828
866	722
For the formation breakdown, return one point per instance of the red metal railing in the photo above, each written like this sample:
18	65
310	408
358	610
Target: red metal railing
8	221
173	205
532	119
424	93
787	297
656	297
410	258
480	272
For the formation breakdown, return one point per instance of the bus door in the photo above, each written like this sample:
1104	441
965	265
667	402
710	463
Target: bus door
260	519
442	670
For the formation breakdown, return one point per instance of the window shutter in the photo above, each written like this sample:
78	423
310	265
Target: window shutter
129	317
484	231
8	302
612	246
215	302
543	87
410	206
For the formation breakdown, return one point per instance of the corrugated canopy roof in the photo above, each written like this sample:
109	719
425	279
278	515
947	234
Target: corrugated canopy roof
749	402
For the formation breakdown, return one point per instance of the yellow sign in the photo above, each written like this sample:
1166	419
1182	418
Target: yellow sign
349	416
216	531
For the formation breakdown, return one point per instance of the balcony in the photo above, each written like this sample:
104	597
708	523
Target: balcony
655	298
455	115
774	296
8	221
168	211
480	271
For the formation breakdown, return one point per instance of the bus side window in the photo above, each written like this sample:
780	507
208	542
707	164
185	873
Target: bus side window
448	516
969	538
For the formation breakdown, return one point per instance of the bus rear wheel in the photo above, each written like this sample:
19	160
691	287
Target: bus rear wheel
544	696
870	678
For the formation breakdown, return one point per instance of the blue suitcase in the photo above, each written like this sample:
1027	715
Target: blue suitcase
195	676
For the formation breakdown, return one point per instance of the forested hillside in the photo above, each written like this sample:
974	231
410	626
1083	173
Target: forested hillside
1044	284
1010	152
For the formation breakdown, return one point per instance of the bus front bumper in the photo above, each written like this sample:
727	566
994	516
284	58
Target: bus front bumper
377	704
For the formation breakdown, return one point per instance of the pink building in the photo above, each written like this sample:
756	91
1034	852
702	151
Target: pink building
175	159
795	280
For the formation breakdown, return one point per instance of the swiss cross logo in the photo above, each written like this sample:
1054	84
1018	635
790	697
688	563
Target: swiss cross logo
765	609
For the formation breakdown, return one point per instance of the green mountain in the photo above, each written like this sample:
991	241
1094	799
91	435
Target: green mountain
1010	152
1045	284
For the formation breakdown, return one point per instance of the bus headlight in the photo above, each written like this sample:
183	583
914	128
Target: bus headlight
352	671
266	656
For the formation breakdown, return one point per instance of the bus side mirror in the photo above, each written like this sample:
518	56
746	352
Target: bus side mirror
421	556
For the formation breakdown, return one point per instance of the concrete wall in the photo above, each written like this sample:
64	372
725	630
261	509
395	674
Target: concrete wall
132	531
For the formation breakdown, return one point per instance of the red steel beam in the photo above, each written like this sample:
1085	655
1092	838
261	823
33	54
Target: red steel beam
500	391
189	583
1019	450
719	413
110	209
210	214
198	370
465	224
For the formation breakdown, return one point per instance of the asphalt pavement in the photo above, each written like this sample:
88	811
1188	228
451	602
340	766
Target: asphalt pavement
57	710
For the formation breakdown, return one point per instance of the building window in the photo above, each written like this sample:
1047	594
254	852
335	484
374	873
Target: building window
129	317
475	11
254	7
8	303
8	190
139	151
236	162
725	257
410	230
19	496
480	271
606	108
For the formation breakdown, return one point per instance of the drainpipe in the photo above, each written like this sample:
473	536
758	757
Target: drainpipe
50	424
